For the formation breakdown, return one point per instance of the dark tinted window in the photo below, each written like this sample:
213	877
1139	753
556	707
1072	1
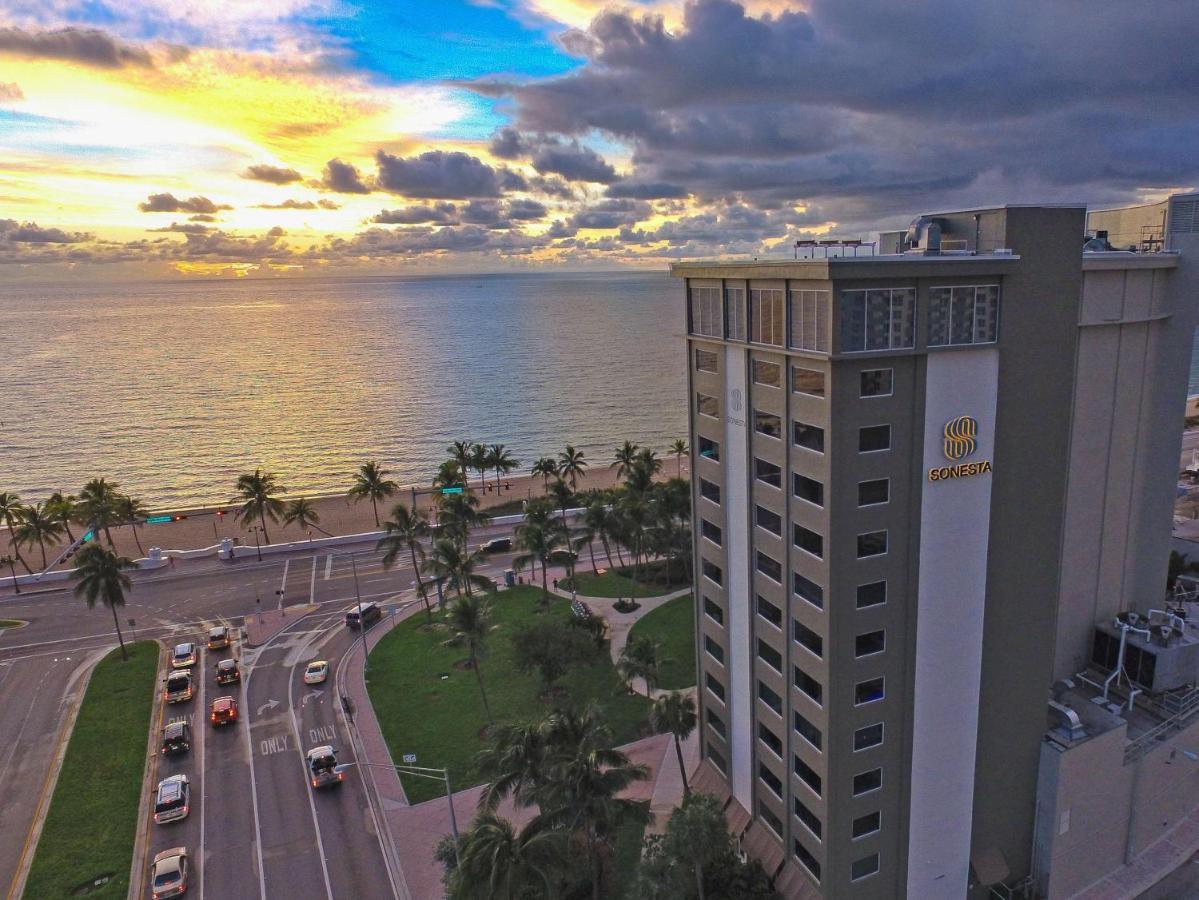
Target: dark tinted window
712	611
809	686
806	488
872	544
709	449
716	722
769	520
770	780
770	739
808	590
767	373
710	531
718	761
869	643
874	437
770	656
868	736
867	824
768	424
770	698
770	612
809	436
872	594
806	637
806	539
715	686
867	781
808	775
868	691
872	492
809	819
770	567
876	382
709	491
808	861
714	649
807	381
808	731
712	572
765	814
860	868
768	472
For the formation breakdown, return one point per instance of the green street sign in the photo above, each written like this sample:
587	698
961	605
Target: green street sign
89	536
158	520
451	490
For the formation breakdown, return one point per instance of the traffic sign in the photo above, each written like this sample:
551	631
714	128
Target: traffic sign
158	520
89	536
451	490
409	758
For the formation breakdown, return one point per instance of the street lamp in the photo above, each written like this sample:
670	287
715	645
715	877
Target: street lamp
420	772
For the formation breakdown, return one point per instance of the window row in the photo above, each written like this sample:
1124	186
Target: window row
858	869
885	319
721	313
861	827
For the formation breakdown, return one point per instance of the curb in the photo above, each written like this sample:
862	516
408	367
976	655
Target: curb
63	738
138	869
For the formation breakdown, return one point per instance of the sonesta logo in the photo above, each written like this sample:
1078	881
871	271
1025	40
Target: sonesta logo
959	441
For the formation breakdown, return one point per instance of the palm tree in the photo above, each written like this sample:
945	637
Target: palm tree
10	512
502	864
597	520
639	659
404	531
675	712
634	514
128	510
457	515
11	563
63	509
679	449
36	527
562	495
502	461
514	765
647	458
456	567
538	535
547	468
461	452
371	481
469	620
258	493
480	461
302	513
571	465
97	505
626	455
100	574
449	474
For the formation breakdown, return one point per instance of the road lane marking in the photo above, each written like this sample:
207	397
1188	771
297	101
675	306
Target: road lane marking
310	696
272	745
328	566
283	583
254	797
322	734
312	583
270	704
316	825
199	734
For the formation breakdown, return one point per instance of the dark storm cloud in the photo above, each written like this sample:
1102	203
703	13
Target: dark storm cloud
170	203
508	144
12	231
382	243
611	214
647	190
271	174
439	213
526	210
86	46
551	155
440	174
343	178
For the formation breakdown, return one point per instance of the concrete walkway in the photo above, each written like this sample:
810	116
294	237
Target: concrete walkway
1151	865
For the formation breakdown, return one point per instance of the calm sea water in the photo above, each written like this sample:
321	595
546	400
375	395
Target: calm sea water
173	389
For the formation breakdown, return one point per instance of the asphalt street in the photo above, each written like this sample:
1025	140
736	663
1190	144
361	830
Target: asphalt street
256	829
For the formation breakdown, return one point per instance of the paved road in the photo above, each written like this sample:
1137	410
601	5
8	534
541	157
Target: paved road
255	830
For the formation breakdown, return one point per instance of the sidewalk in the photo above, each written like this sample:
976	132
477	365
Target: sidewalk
262	626
1152	864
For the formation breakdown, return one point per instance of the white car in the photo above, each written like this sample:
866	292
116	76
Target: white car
169	872
316	671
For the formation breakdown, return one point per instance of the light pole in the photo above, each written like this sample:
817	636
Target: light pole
257	546
358	597
421	772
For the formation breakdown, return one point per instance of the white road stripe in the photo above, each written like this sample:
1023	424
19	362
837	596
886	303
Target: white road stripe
283	583
312	582
328	566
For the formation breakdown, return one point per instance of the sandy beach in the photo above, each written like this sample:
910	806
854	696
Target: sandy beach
338	515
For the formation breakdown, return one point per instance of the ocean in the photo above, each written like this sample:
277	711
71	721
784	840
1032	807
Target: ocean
174	389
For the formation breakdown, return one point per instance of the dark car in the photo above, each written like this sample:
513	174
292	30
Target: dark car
176	738
227	672
496	545
323	770
561	557
363	615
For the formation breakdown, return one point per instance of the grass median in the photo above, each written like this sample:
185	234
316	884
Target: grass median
619	582
672	625
427	705
90	829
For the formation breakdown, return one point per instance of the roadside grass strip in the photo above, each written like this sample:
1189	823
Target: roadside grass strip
428	705
10	623
619	582
86	845
673	626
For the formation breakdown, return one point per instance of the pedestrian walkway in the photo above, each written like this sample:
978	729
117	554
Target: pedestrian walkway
1151	865
262	626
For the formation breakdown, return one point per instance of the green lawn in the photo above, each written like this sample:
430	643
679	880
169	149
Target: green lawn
673	625
619	582
90	829
429	707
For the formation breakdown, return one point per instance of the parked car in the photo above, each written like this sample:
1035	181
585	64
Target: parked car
224	711
218	637
179	687
170	872
176	738
363	616
316	671
322	767
227	672
173	799
561	557
496	545
183	656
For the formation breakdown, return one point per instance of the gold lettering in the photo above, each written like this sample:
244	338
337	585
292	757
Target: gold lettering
961	470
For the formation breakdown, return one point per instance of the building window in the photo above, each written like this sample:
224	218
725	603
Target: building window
808	540
864	867
710	531
867	824
874	492
768	373
715	687
808	775
766	316
709	449
809	686
807	860
808	731
867	737
768	816
870	643
877	382
807	638
873	543
806	488
768	473
810	437
707	317
873	594
735	307
714	649
770	739
770	612
707	406
807	381
769	567
869	691
770	656
866	782
770	698
809	320
717	723
873	438
718	761
808	590
808	818
878	319
713	611
963	315
706	361
768	424
770	780
709	491
712	572
769	520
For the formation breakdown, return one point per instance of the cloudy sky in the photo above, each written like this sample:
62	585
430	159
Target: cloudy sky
153	138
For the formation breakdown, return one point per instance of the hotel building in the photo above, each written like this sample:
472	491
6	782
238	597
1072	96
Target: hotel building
920	479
